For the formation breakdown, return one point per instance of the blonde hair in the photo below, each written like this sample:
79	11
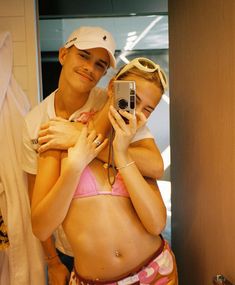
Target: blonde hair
149	76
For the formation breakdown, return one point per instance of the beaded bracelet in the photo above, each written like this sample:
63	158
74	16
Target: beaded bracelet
124	166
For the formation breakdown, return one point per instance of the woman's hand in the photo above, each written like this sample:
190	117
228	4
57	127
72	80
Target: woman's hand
87	147
58	273
124	132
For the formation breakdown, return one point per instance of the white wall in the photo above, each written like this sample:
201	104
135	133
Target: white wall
19	18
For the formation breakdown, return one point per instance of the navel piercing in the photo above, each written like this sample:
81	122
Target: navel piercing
117	253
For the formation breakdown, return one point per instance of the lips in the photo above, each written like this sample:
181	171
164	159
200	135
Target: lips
85	75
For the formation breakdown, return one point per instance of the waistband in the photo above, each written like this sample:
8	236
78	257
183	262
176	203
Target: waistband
129	276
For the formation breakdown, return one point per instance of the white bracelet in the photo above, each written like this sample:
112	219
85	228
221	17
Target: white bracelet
124	166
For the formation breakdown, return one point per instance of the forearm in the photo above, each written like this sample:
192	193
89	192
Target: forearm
147	158
56	270
49	249
54	206
145	197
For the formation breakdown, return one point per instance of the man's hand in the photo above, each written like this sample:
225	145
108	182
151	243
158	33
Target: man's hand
58	273
58	133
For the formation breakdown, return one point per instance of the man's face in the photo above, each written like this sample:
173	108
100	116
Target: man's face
82	69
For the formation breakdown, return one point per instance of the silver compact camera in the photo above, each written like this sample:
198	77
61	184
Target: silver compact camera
125	96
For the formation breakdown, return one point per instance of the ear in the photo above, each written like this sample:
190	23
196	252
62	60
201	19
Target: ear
111	82
110	87
62	55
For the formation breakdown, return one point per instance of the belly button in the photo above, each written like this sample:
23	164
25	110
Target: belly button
117	253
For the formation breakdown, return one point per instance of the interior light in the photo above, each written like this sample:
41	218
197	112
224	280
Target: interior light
166	98
131	39
166	156
131	34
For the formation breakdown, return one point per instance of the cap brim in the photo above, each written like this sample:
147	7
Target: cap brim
89	45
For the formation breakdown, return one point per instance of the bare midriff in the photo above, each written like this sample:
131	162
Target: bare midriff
107	237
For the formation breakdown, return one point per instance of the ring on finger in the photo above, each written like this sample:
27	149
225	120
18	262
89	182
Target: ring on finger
97	142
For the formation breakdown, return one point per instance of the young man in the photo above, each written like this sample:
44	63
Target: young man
85	58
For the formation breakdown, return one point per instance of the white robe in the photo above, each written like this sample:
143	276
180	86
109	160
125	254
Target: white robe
22	262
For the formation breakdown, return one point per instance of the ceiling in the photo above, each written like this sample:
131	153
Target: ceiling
135	25
94	8
133	32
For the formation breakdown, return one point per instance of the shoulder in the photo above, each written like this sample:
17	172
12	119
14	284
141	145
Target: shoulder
37	111
98	96
39	114
142	133
98	93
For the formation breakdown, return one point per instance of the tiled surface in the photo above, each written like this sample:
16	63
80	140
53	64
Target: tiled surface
18	17
12	8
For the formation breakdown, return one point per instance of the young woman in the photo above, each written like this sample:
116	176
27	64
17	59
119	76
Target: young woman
114	228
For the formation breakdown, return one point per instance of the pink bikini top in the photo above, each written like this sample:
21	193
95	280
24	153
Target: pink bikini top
88	186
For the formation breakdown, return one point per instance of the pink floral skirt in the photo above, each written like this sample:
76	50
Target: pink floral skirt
162	270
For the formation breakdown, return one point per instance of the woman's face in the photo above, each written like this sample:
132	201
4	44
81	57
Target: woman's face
148	94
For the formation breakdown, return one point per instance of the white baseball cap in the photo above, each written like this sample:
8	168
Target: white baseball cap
93	37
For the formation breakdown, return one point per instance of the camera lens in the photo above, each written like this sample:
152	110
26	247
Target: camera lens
122	104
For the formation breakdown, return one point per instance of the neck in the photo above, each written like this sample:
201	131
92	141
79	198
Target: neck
66	103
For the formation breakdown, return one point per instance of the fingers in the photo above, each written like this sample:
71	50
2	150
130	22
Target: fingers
132	122
59	119
100	147
141	119
51	122
44	142
98	140
44	147
43	132
118	122
45	126
116	119
90	137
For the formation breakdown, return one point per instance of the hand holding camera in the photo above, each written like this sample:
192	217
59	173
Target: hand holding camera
125	96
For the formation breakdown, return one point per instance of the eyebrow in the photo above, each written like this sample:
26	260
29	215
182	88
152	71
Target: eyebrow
150	107
100	60
104	62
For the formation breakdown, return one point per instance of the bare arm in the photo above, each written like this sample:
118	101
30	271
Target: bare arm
144	193
145	196
56	182
61	134
57	271
143	152
52	194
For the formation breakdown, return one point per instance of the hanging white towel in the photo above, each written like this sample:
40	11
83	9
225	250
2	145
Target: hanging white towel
25	262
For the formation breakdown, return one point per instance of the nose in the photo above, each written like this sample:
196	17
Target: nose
89	66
